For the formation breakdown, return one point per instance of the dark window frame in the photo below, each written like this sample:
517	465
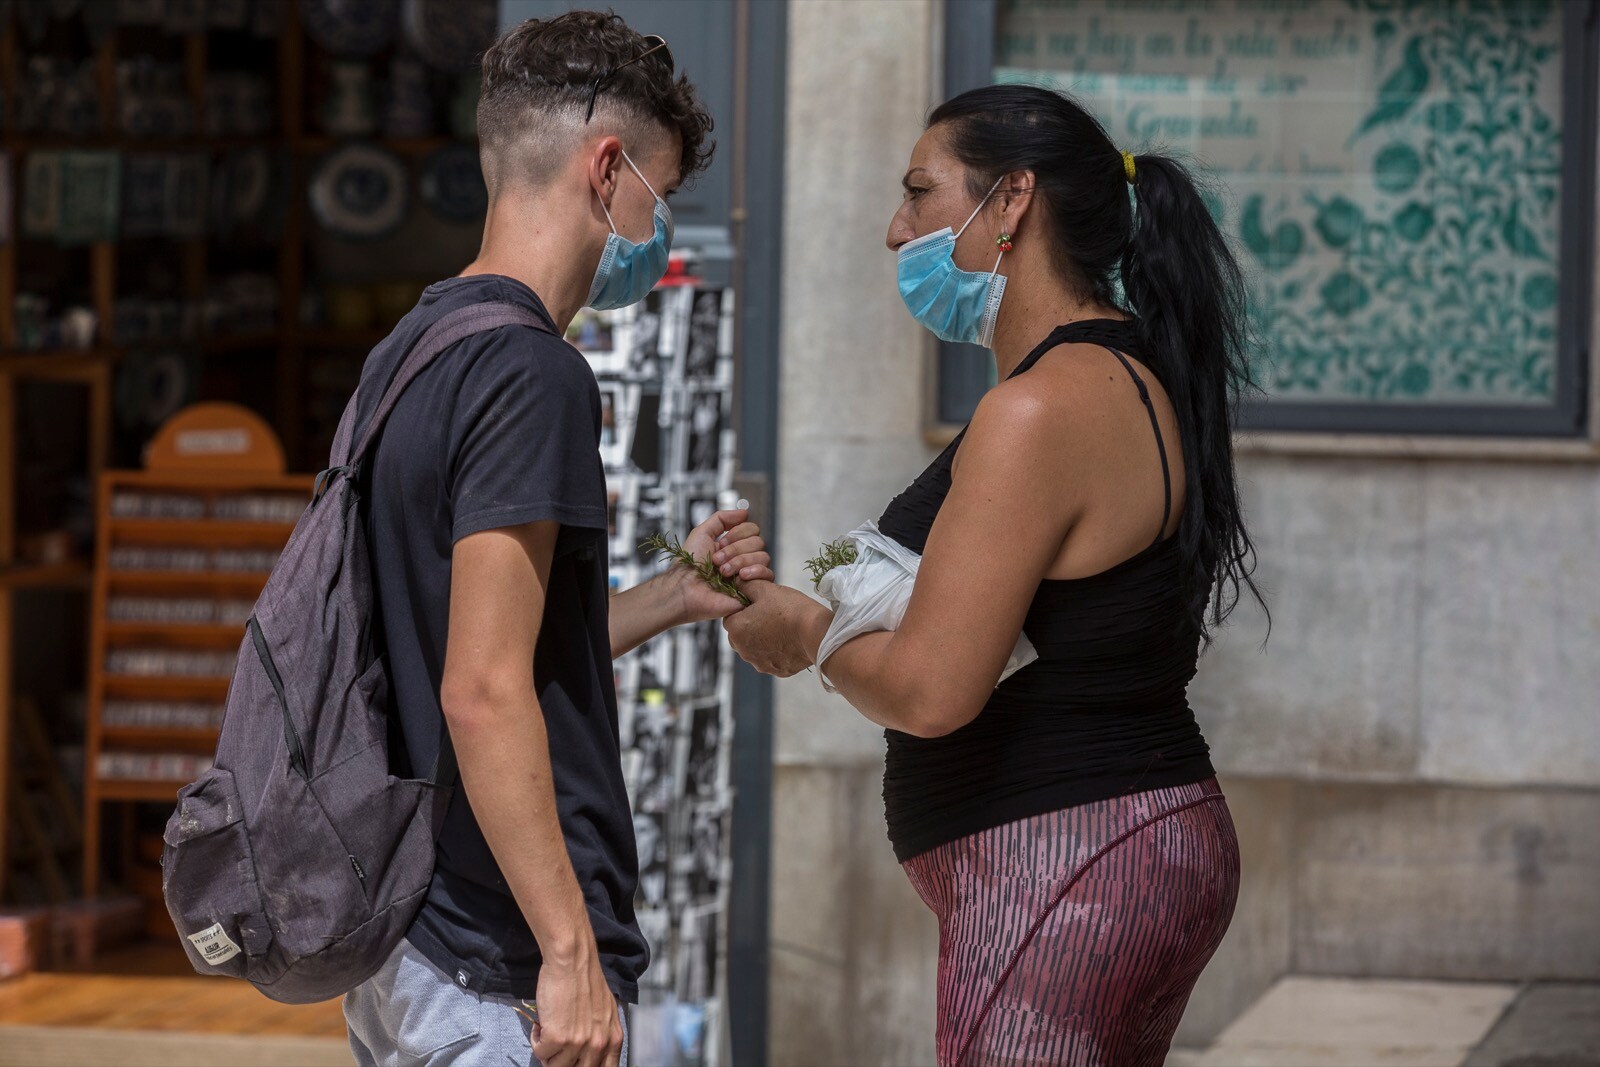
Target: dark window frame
962	372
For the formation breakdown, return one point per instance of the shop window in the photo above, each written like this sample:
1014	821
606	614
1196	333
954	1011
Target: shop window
1408	184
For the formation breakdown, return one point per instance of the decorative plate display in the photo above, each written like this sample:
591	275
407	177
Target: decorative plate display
359	191
350	27
449	34
452	184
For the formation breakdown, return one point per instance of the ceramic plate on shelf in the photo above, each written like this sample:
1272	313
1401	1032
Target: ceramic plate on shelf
449	34
350	27
452	184
359	191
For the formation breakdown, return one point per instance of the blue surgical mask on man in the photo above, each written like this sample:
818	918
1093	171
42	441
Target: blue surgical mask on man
957	305
627	271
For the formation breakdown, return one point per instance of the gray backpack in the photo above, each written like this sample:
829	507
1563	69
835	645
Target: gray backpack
298	861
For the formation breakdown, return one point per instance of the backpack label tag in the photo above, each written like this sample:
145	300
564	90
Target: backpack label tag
214	945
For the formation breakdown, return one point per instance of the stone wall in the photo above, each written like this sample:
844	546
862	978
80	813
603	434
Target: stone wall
1415	751
1433	621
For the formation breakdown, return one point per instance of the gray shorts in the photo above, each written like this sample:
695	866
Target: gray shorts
412	1013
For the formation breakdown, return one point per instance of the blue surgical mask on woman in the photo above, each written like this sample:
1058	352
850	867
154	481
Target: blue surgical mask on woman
957	305
628	271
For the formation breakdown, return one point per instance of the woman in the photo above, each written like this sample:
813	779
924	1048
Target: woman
1065	827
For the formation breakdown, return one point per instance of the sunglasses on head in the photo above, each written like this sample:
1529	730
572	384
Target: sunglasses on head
658	49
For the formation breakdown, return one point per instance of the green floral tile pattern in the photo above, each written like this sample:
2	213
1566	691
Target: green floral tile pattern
1390	169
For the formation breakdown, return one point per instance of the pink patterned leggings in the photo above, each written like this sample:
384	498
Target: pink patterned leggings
1075	937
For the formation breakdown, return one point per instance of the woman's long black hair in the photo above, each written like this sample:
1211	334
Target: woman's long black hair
1179	280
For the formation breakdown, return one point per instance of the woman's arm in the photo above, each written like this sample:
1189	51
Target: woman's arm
999	529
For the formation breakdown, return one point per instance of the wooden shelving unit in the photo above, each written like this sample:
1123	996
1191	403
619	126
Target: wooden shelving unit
90	369
207	483
278	357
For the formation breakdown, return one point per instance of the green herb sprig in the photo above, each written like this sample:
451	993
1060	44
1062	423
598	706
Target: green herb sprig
838	553
668	545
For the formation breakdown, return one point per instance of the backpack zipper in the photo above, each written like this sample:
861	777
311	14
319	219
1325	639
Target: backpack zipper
297	754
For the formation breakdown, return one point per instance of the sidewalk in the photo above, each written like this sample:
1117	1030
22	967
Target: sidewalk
1355	1022
145	1007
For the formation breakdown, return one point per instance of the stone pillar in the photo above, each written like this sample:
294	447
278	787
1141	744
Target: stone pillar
853	949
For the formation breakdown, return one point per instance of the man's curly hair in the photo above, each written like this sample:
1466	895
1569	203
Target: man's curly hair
543	70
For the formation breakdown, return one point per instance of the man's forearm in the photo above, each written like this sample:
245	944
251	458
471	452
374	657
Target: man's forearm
640	613
504	757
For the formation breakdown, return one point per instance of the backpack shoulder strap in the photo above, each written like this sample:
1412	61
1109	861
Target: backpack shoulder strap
450	328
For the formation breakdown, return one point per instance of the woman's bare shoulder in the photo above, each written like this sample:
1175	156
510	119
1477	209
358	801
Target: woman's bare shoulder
1065	401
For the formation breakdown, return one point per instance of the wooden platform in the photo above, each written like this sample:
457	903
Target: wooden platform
147	1006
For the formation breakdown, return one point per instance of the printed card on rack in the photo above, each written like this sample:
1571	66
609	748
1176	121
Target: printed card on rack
705	774
707	351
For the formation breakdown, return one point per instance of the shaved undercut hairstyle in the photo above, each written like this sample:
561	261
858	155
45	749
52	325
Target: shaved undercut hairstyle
536	89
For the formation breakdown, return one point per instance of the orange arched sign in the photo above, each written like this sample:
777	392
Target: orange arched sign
225	438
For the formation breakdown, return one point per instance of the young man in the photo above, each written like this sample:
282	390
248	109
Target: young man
487	525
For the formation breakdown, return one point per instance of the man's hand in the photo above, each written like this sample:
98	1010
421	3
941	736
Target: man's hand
577	1023
780	630
678	595
737	548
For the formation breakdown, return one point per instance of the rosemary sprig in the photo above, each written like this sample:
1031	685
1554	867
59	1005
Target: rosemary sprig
667	544
838	553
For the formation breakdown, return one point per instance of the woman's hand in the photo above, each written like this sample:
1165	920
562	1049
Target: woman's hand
739	552
779	632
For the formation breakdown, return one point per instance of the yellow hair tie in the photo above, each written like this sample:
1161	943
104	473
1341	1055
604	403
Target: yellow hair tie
1127	166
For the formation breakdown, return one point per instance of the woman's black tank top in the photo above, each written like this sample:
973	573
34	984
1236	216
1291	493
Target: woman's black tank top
1102	712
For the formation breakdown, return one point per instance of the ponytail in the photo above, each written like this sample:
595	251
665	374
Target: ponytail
1187	293
1158	256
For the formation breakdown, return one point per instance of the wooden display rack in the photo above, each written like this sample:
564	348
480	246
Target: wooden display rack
292	65
210	455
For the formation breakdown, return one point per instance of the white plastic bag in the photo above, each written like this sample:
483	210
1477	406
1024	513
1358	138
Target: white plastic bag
871	594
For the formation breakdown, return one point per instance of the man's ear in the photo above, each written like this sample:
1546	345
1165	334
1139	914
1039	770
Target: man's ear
605	164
